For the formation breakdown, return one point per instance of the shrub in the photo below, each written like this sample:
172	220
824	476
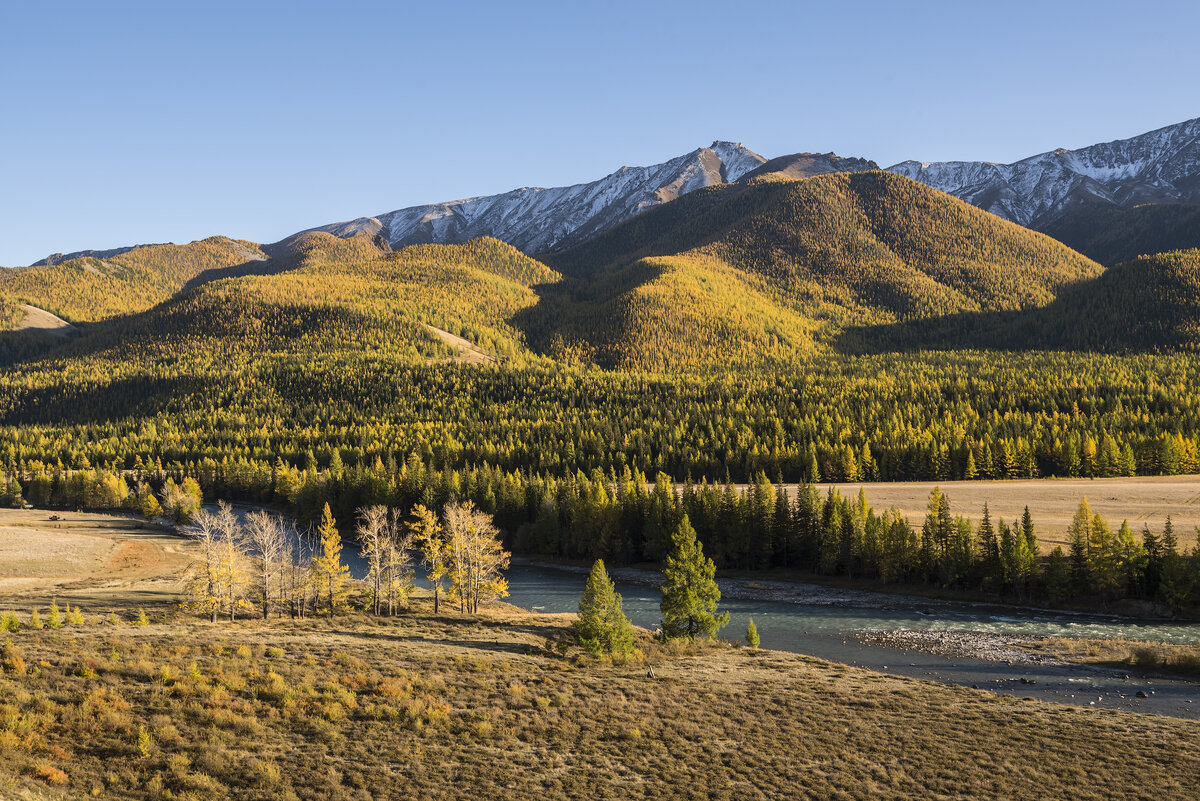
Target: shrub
752	635
35	619
143	742
49	774
55	621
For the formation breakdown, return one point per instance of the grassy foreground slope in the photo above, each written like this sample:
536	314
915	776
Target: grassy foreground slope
445	706
89	289
776	261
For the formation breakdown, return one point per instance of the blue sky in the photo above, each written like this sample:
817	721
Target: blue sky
124	122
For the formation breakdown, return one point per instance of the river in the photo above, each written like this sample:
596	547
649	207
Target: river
828	623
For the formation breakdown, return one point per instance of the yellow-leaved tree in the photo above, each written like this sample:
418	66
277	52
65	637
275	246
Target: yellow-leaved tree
331	576
477	556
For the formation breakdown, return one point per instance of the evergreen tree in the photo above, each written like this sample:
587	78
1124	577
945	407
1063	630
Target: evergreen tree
1057	578
752	635
602	627
690	593
331	574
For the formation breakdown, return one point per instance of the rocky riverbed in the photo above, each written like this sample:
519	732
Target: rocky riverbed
962	644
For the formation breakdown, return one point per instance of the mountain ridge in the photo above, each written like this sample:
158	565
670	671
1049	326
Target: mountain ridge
1158	166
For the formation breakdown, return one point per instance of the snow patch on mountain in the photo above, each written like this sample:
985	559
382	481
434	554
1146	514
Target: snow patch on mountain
539	220
1159	166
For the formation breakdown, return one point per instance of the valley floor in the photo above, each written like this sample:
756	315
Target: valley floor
1142	500
446	706
451	706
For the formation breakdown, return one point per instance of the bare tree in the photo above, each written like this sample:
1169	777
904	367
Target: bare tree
265	536
398	561
231	539
299	568
204	573
372	531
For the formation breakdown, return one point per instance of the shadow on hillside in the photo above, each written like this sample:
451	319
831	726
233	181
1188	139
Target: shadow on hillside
135	396
272	266
583	316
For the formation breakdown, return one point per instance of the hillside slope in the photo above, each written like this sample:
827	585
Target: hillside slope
744	272
1111	234
1146	304
338	296
88	289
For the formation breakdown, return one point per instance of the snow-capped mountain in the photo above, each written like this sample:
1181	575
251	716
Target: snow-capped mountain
539	220
1155	167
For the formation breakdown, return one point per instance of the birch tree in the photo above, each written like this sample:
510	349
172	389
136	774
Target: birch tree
397	562
478	556
372	531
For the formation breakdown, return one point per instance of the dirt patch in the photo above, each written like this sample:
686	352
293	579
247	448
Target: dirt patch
42	320
465	350
86	557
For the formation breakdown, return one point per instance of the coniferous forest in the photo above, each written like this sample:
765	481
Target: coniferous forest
848	327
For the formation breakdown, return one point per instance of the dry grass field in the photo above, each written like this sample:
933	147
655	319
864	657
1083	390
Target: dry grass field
87	558
1143	500
498	706
446	706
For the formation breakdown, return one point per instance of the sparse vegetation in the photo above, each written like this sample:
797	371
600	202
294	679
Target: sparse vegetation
317	709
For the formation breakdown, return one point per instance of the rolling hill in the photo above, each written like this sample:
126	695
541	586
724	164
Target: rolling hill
87	289
769	268
1151	303
333	295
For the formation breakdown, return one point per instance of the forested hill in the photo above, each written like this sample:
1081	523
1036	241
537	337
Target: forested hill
1148	303
89	288
768	269
1110	234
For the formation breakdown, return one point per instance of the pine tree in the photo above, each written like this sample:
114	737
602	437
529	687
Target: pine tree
690	593
602	627
752	635
330	573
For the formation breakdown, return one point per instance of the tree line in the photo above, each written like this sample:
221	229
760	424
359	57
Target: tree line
259	562
625	519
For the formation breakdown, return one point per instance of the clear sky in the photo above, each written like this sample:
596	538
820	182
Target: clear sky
127	122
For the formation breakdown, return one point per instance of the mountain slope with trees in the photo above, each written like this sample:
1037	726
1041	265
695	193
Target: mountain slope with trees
777	263
88	289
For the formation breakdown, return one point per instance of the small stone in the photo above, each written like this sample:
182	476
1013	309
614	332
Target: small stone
1141	694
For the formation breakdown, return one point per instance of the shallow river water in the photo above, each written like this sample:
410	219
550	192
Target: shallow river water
830	627
828	624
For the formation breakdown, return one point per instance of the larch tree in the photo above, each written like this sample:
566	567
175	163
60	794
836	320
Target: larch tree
330	574
690	592
602	626
203	574
181	501
234	572
426	532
